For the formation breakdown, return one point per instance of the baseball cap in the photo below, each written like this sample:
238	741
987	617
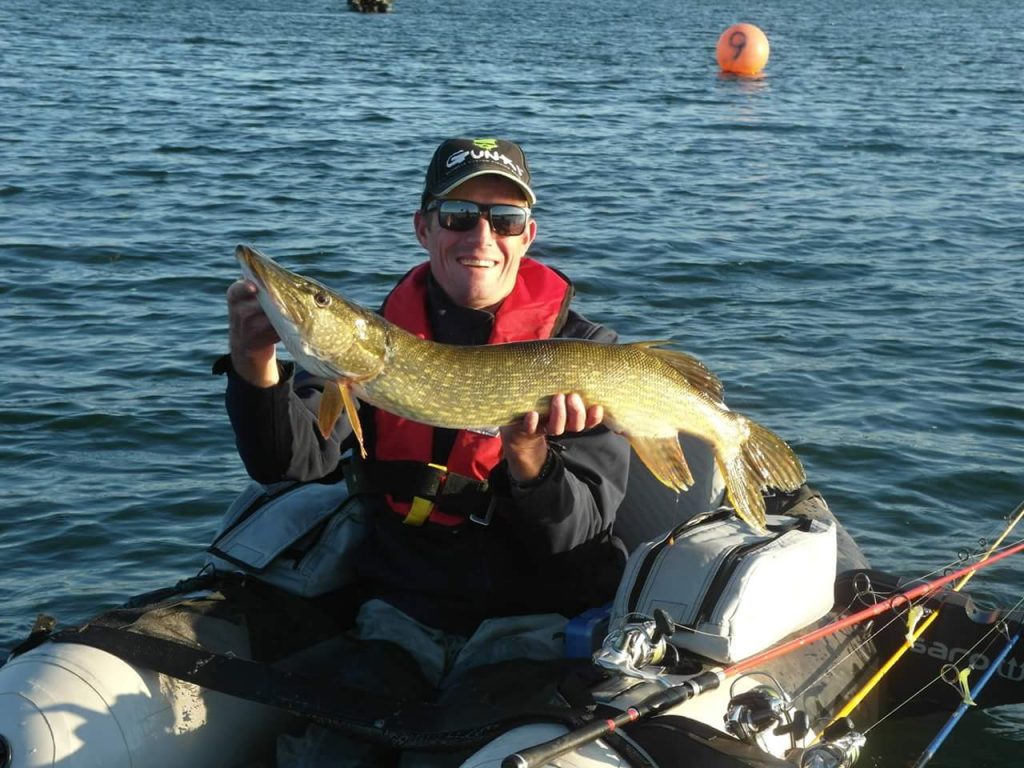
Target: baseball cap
458	160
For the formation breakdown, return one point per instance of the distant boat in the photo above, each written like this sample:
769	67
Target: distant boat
370	6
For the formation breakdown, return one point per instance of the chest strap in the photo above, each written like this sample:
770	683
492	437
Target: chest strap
425	486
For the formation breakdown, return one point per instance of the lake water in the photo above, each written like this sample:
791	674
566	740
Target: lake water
841	240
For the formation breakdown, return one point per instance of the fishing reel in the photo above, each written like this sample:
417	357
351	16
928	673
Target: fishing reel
751	713
639	644
839	748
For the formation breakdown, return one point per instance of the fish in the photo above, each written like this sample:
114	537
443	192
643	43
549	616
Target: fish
649	393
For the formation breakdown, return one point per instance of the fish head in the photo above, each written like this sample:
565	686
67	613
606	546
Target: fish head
327	335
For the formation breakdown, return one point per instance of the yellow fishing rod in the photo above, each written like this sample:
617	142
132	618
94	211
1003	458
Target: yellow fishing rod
916	632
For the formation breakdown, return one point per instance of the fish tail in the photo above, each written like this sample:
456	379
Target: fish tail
763	461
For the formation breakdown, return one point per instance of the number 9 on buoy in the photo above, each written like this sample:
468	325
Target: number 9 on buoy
742	50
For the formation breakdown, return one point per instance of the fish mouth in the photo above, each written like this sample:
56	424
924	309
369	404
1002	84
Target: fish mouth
259	269
252	265
272	282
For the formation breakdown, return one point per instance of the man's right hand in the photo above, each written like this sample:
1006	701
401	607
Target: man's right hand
251	336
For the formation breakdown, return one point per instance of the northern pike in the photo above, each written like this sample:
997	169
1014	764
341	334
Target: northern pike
649	394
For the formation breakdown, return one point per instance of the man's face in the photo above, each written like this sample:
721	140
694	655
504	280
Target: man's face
477	268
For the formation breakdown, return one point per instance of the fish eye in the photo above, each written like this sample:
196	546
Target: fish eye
322	299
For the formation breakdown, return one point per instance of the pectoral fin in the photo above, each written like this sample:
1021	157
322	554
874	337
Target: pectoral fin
664	458
337	398
353	417
331	406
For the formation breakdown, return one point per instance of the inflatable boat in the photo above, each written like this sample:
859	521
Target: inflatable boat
705	657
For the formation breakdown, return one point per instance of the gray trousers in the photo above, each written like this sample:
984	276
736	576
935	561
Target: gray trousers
442	658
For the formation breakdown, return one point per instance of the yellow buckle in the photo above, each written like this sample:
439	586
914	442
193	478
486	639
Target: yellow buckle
421	508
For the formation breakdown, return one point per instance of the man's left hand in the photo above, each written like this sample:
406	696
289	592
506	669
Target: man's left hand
525	444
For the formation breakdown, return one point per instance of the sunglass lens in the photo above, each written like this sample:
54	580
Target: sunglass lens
508	219
458	215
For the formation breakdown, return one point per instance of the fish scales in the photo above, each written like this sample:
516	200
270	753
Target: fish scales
649	394
448	386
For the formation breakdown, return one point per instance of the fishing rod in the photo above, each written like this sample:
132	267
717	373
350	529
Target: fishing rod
929	751
713	678
915	633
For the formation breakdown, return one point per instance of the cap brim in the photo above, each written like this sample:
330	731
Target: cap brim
530	197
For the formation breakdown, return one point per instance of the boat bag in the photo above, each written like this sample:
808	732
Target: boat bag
300	537
730	591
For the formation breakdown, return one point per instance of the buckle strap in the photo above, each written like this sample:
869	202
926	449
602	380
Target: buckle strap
425	486
432	481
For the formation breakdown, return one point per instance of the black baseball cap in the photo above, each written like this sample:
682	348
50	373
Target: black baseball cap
458	160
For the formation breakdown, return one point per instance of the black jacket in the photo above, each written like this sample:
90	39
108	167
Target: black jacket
549	547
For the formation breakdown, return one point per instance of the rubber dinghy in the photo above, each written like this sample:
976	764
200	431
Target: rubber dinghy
197	674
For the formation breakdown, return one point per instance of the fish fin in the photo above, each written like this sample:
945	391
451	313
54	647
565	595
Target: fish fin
692	369
331	406
763	461
664	458
353	416
338	398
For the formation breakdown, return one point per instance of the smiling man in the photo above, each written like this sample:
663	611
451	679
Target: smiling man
482	545
476	265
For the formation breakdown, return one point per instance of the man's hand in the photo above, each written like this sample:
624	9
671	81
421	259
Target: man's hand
251	336
524	444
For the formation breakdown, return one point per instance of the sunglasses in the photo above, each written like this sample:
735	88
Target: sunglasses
462	216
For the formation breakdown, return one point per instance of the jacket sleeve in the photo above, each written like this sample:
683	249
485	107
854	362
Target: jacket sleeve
575	499
275	428
582	485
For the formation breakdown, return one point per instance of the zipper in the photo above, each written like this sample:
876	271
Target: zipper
258	503
652	555
730	563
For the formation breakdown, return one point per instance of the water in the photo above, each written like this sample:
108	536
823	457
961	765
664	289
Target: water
840	240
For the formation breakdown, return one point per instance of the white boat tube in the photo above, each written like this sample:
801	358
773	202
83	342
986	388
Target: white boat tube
73	706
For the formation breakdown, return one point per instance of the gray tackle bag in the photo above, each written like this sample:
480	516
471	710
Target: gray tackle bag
732	592
301	537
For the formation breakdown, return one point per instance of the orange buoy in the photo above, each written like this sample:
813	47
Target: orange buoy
742	50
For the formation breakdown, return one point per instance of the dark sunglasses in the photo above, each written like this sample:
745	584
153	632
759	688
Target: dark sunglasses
462	216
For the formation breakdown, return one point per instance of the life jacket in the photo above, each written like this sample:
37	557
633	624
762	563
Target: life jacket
538	301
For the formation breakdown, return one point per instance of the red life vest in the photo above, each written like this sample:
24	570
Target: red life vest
530	312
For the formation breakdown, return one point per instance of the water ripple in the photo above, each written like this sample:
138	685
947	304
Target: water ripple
839	239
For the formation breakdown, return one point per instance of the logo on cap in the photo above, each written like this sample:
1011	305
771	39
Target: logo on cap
484	155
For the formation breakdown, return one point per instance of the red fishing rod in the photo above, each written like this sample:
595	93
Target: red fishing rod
711	679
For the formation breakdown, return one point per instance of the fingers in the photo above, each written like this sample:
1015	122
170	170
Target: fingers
249	327
557	415
528	427
251	336
568	413
240	290
531	423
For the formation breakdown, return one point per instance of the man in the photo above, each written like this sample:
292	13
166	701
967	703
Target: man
481	545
